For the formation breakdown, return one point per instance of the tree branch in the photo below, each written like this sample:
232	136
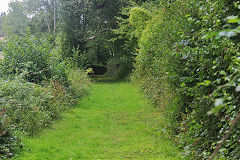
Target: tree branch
225	137
93	37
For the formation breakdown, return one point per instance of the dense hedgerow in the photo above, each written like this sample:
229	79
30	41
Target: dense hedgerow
195	80
35	86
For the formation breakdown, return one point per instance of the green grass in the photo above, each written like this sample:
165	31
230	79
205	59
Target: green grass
113	122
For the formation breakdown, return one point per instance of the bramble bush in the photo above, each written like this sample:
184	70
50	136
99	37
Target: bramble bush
25	106
193	79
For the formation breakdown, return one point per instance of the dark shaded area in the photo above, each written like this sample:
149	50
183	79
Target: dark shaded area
98	70
9	144
103	78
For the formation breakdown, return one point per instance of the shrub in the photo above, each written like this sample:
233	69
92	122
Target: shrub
9	144
35	86
79	82
187	75
138	19
28	53
33	56
26	108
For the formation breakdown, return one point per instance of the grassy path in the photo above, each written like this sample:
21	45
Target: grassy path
114	122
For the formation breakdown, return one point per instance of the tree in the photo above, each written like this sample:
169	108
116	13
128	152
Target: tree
16	21
2	33
40	15
86	25
43	15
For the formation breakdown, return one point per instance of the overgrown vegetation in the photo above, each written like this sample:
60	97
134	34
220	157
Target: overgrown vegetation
82	29
195	80
35	87
185	56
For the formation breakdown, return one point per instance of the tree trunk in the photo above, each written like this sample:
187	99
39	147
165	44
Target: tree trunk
54	17
48	25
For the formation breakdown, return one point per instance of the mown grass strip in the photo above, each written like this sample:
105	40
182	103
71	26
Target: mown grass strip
113	122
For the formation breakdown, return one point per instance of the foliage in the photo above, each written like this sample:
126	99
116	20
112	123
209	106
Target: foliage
82	28
78	82
24	107
2	16
186	75
138	19
16	21
36	85
9	142
211	63
39	15
27	108
34	57
28	54
87	42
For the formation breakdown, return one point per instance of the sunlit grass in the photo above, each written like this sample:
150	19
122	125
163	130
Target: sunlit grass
113	122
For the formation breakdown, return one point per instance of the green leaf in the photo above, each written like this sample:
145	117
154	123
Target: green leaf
189	19
234	20
205	83
222	73
182	85
209	35
232	17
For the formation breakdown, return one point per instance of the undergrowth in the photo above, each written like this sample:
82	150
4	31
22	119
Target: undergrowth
35	87
195	79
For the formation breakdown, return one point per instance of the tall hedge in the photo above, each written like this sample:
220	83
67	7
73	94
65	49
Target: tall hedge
194	79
